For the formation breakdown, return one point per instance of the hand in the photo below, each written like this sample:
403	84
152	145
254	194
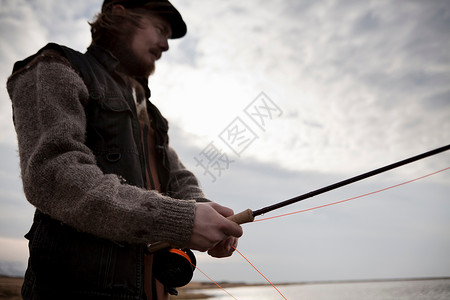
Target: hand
224	248
212	230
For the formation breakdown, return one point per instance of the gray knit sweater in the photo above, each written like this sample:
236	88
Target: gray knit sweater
59	172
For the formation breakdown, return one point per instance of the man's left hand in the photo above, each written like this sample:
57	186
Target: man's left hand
224	248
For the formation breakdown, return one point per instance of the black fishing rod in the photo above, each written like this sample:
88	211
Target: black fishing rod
248	215
174	267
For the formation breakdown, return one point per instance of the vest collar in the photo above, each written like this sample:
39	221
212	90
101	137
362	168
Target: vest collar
110	63
104	57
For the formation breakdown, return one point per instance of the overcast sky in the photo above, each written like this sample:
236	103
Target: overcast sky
319	91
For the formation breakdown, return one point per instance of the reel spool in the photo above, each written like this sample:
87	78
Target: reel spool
174	267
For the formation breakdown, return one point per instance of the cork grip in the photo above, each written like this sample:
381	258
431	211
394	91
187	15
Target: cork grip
243	217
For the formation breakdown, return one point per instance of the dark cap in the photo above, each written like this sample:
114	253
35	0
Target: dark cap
160	7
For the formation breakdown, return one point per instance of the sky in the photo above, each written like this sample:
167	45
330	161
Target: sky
268	100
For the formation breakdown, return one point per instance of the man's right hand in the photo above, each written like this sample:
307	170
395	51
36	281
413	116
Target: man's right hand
211	226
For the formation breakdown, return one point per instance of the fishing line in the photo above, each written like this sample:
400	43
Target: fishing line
313	208
330	204
213	281
260	273
342	201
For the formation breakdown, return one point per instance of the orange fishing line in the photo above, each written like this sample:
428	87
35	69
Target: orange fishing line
371	193
259	272
213	281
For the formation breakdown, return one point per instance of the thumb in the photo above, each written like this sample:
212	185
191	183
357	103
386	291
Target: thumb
233	229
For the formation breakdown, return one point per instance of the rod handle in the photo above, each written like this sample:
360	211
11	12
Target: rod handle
243	217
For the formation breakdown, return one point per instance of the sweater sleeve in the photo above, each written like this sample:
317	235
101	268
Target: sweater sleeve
59	172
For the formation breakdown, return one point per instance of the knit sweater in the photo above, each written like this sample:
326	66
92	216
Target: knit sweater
59	172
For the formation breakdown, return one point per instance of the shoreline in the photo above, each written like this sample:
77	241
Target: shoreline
10	286
225	284
193	290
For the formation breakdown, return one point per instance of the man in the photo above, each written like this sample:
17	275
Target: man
96	163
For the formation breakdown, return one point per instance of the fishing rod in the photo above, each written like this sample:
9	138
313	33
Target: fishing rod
248	215
175	267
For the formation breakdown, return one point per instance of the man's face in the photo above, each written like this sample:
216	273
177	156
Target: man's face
146	45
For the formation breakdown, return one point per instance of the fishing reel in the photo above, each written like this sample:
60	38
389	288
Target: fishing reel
174	267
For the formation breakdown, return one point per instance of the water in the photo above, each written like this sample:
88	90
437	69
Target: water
386	290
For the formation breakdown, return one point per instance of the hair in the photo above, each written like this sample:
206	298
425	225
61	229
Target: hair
108	26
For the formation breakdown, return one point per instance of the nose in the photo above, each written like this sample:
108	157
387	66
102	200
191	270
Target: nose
164	44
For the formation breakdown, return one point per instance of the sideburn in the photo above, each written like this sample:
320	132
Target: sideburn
129	63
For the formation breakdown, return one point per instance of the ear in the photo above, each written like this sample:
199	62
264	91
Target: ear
118	10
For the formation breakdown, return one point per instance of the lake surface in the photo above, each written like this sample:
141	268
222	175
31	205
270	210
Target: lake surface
438	289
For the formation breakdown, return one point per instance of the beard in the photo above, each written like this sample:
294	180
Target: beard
130	64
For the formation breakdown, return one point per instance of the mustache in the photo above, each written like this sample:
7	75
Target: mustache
156	52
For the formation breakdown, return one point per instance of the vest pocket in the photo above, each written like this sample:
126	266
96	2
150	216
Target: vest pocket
116	104
110	118
113	137
113	157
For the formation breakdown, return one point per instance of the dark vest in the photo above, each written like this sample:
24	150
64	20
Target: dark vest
74	265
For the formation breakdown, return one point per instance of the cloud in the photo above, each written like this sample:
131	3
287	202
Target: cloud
437	102
361	71
361	85
70	25
21	32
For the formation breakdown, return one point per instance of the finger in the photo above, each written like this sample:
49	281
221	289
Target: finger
233	244
224	211
222	249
